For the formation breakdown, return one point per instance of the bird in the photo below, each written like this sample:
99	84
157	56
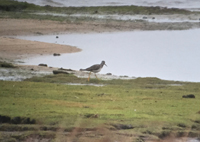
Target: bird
94	68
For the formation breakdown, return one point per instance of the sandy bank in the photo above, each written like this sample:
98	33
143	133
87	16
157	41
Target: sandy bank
16	48
13	49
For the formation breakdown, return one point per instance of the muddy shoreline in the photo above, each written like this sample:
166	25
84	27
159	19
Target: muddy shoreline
13	49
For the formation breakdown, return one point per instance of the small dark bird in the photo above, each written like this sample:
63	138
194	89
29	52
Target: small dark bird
94	68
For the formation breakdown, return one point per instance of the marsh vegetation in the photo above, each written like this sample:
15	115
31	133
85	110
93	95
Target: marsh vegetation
148	107
15	9
49	109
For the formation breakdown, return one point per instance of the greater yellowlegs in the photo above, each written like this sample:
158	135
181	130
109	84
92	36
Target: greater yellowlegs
95	69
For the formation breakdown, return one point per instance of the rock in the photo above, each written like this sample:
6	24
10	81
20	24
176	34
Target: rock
57	37
44	65
188	96
91	115
59	72
123	126
124	76
109	74
65	69
56	54
39	33
47	5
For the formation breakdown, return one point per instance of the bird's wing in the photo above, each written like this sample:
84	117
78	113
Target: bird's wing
94	67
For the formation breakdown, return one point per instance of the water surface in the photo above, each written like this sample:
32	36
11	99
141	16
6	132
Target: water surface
171	55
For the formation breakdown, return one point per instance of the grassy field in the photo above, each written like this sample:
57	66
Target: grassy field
143	106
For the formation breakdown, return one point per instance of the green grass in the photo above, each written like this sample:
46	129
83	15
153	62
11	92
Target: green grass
11	5
152	106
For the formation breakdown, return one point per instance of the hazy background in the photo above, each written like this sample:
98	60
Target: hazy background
188	4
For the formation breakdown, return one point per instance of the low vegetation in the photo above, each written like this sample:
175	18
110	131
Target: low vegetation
6	64
15	9
11	5
145	107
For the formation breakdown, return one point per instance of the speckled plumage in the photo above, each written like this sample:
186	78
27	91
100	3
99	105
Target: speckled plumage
94	68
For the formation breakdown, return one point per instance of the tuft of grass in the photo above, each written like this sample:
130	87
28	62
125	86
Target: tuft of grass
6	65
11	5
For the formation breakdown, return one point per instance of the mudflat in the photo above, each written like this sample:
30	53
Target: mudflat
12	48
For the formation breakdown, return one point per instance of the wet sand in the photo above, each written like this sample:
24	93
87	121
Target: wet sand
13	49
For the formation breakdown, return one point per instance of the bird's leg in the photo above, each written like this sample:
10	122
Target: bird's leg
96	76
89	76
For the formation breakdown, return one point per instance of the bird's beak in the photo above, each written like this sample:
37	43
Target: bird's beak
105	64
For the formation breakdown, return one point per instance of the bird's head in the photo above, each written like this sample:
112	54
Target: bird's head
103	63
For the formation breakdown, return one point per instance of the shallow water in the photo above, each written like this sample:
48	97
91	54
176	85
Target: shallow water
184	139
171	55
188	4
14	74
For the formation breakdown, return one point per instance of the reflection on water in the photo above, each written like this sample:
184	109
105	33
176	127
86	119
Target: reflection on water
171	55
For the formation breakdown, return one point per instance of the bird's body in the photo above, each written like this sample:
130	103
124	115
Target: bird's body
94	68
